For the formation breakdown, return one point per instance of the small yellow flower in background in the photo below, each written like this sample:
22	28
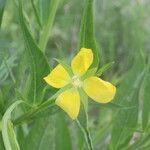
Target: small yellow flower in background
96	88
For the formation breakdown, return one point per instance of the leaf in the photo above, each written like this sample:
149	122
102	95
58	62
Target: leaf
1	143
36	13
8	133
62	132
43	10
50	8
127	95
104	68
41	135
116	106
49	132
6	67
146	101
87	38
2	6
1	102
38	63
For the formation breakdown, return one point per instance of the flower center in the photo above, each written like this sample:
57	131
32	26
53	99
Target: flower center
76	82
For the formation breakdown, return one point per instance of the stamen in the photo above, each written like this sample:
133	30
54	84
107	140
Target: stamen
76	82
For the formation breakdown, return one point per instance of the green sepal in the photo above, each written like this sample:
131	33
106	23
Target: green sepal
104	68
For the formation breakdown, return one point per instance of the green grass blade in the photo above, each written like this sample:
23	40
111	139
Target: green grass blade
87	37
8	133
146	101
36	13
1	143
47	27
1	102
38	63
2	6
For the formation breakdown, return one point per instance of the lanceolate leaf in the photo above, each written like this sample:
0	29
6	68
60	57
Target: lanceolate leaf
1	143
50	132
41	135
8	133
127	95
2	5
1	102
62	132
38	63
36	13
87	38
146	99
48	10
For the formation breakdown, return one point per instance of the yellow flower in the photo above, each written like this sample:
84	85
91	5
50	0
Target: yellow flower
96	88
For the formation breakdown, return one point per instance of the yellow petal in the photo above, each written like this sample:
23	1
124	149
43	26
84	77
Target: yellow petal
58	77
69	101
99	90
82	61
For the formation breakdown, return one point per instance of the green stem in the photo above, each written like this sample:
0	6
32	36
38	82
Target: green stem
31	113
87	135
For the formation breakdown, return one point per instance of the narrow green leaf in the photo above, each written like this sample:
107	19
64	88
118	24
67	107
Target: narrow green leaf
8	133
62	132
38	63
116	106
41	135
1	102
29	115
2	147
49	132
146	101
47	27
127	95
1	142
104	68
87	38
36	13
43	10
2	6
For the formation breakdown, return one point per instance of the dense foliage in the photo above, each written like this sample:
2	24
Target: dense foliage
33	33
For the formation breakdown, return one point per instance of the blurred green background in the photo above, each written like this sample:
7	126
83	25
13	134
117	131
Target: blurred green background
122	31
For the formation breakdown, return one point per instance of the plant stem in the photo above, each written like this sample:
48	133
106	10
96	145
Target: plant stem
87	135
31	113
